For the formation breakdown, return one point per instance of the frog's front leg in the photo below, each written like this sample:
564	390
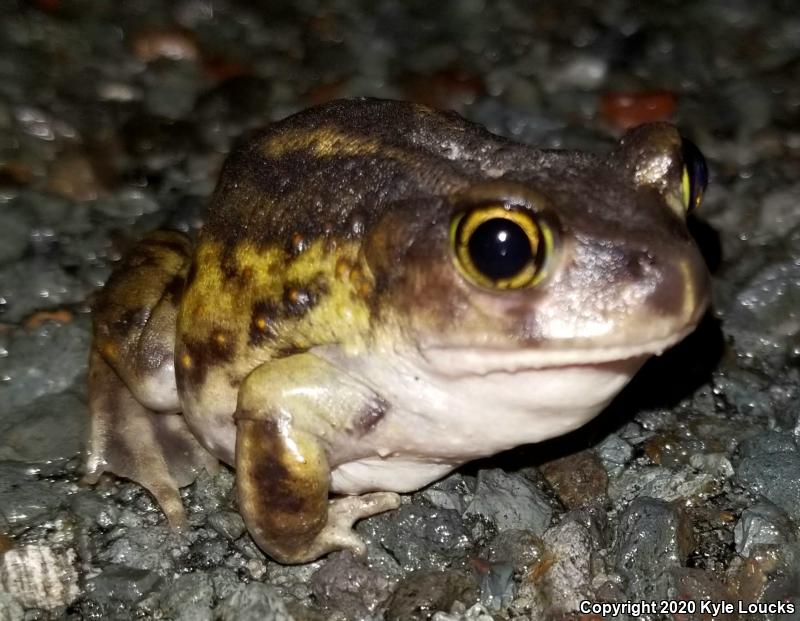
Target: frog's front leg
290	414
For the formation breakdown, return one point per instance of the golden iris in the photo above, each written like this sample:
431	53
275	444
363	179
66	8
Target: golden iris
500	247
695	175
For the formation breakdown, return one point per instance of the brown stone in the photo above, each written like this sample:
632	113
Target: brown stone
627	110
578	480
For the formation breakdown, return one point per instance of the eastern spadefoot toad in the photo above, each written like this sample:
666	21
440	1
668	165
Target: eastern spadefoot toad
381	292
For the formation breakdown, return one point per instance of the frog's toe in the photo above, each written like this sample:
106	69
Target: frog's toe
338	533
158	451
349	509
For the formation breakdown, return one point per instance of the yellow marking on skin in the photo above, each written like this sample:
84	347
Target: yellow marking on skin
328	142
343	267
220	338
110	350
186	361
340	313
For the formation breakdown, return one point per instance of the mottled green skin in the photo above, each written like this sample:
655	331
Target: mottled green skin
330	229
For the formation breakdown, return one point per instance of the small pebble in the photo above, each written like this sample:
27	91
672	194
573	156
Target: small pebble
762	524
510	502
39	577
577	479
627	110
253	602
151	45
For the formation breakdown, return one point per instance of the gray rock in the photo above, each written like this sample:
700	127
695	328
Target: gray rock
346	584
760	524
692	584
209	551
42	361
15	231
571	546
123	584
189	597
767	442
715	464
151	548
213	493
292	581
521	548
225	582
23	497
497	586
475	613
229	524
52	427
449	493
614	452
88	506
426	592
171	90
662	483
772	300
253	602
653	537
10	609
510	502
779	212
36	284
770	467
420	536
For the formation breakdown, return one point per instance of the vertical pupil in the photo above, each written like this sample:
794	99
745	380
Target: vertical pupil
500	248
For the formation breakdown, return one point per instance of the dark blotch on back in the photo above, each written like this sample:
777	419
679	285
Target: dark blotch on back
228	263
298	300
262	322
216	350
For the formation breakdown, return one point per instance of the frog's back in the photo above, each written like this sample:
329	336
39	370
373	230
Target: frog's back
333	168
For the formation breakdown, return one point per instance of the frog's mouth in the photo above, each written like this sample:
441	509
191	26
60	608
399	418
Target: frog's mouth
465	360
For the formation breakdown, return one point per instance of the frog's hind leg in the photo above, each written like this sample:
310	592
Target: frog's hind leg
154	449
137	431
290	413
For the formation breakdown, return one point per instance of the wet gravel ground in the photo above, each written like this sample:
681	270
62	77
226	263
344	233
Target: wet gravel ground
114	120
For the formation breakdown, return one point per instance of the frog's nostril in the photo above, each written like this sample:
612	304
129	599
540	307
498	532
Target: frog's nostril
640	265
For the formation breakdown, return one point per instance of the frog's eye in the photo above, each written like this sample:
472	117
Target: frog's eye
695	175
500	247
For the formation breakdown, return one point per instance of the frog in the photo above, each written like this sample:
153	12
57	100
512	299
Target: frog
381	292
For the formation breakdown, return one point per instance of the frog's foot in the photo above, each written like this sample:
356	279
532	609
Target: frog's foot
338	533
282	481
158	451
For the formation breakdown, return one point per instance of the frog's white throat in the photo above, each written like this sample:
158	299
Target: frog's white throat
436	421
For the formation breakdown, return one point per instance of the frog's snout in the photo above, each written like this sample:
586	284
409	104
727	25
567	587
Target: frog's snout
677	284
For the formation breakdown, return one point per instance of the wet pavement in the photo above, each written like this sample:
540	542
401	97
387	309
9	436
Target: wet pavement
115	119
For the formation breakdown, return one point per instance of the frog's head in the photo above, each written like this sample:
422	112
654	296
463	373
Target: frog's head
559	259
